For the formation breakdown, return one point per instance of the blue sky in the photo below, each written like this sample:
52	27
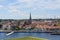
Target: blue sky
20	9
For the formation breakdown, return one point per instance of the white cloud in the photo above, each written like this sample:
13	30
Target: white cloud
18	13
26	0
51	4
46	15
19	8
37	4
1	7
42	4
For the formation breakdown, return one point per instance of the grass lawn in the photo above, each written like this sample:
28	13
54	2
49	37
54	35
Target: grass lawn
27	38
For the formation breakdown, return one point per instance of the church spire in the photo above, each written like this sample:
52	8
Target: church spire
30	19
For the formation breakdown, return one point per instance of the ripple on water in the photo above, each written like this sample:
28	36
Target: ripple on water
41	35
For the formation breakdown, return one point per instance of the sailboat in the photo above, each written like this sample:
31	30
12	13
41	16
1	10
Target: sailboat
10	33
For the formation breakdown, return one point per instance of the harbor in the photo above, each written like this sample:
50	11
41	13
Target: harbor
20	35
29	19
41	28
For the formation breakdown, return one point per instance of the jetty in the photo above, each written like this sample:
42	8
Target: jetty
10	33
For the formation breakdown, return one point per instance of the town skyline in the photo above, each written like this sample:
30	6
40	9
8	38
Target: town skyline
20	9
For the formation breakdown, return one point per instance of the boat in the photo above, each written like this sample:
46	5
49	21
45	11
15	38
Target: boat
10	33
55	33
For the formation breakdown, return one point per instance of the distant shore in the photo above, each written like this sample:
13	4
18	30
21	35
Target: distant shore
25	31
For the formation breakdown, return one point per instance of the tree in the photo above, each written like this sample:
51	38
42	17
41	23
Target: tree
15	28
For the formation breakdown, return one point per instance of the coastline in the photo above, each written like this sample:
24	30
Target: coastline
25	31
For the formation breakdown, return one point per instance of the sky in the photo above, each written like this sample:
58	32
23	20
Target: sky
21	9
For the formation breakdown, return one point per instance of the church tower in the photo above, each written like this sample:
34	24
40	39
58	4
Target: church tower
30	19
